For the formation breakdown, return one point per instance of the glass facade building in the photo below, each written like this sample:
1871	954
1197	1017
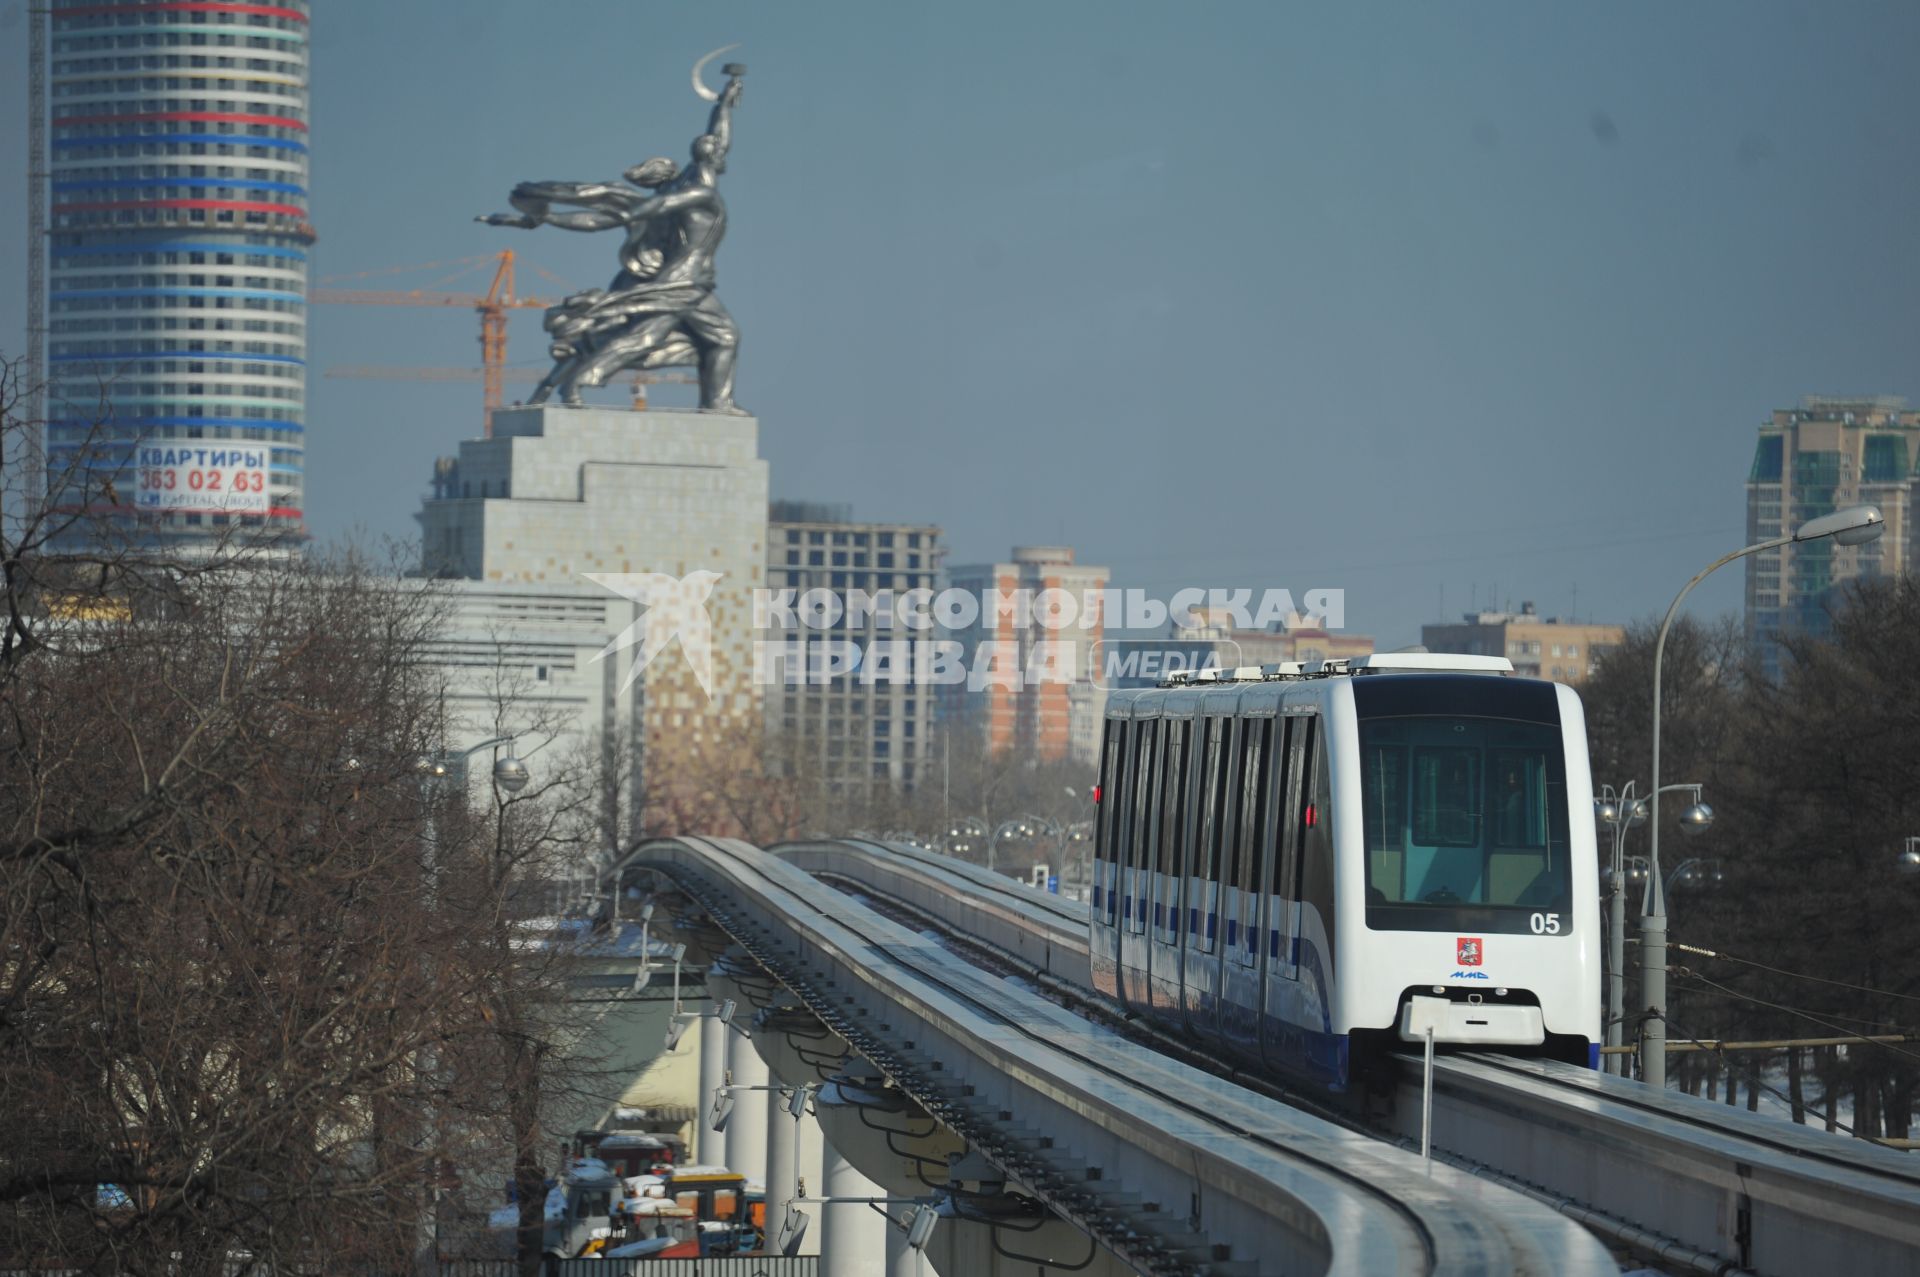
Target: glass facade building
860	735
1812	460
177	265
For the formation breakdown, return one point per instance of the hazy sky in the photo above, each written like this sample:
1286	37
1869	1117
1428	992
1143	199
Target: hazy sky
1423	301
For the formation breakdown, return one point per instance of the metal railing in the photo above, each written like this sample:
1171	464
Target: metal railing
706	1266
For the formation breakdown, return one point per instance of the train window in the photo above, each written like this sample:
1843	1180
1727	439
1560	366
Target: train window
1446	802
1255	829
1288	736
1315	828
1193	748
1174	787
1226	797
1519	805
1465	822
1108	812
1146	801
1209	857
1117	798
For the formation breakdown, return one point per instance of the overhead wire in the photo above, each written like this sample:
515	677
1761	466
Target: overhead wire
1796	975
1754	1079
1840	1029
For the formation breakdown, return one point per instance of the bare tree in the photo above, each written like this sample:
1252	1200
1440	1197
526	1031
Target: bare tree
211	866
260	987
1811	778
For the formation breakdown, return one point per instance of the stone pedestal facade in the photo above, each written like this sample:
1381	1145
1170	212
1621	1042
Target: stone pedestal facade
559	493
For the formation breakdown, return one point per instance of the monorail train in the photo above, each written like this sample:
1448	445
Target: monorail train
1288	857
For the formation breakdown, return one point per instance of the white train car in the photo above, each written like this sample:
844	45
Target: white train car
1287	857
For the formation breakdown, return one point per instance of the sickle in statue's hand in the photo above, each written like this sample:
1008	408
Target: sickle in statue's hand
699	86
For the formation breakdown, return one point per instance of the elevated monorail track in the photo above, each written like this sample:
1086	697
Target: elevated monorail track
1689	1185
1171	1169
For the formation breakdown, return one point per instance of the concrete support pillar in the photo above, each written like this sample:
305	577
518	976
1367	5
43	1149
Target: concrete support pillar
710	1146
746	1133
810	1160
902	1260
793	1152
783	1139
853	1238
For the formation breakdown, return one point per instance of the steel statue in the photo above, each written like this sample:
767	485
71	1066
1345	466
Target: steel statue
661	308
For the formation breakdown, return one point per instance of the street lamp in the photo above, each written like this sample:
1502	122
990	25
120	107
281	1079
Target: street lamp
1028	826
960	835
1696	871
1618	812
509	773
1855	525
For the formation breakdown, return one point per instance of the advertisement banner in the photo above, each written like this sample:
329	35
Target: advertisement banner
221	478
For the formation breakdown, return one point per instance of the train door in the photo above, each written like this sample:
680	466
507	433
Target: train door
1281	987
1190	862
1240	999
1169	872
1142	835
1198	968
1104	938
1222	788
1315	949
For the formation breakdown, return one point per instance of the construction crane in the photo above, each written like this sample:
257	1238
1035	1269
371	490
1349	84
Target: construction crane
492	306
640	380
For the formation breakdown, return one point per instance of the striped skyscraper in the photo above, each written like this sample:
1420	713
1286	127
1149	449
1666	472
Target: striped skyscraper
176	302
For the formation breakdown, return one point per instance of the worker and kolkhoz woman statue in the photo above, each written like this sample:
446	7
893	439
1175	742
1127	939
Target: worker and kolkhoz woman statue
660	309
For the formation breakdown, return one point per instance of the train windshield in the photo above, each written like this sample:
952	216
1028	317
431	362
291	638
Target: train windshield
1466	825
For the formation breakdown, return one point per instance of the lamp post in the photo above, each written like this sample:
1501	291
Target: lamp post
1620	812
1020	827
959	840
1015	826
1695	870
1855	525
509	774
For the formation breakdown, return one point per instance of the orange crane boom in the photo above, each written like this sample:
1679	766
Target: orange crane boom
492	307
397	372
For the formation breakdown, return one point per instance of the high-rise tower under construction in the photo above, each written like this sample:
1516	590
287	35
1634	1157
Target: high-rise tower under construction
177	265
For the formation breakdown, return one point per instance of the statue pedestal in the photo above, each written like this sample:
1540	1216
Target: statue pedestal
560	492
